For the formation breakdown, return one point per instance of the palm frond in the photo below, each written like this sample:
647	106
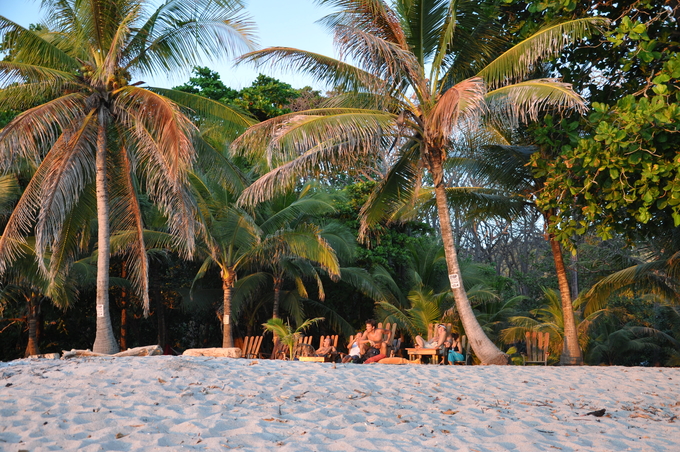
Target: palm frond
523	101
423	22
370	16
178	34
521	59
160	135
321	68
28	134
393	192
228	116
30	49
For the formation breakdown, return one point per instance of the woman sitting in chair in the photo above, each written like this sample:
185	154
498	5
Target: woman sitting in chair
438	341
354	350
455	349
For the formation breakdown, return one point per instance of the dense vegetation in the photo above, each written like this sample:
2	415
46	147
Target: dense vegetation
305	205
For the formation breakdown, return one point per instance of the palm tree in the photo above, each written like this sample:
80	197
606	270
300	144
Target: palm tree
97	126
236	239
284	332
505	166
550	318
425	71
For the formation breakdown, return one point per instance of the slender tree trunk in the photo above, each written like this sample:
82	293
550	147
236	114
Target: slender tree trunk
571	352
104	342
160	320
485	350
277	298
33	313
123	310
574	276
228	278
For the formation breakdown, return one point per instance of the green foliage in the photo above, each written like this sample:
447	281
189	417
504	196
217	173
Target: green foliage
266	97
208	84
285	333
626	174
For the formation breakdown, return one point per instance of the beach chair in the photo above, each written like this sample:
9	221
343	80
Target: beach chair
436	355
332	357
537	348
251	347
303	347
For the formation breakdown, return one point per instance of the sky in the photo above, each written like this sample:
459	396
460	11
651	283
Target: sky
289	23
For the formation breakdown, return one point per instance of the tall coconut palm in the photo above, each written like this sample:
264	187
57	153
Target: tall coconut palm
424	71
97	126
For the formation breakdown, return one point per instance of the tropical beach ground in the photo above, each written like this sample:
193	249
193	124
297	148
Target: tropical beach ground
198	403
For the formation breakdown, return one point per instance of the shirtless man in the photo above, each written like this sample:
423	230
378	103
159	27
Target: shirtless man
372	338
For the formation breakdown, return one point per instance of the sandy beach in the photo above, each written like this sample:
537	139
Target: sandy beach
198	403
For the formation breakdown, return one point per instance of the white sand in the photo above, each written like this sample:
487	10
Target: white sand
198	403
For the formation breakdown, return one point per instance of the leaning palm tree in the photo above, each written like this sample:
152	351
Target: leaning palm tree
425	71
98	130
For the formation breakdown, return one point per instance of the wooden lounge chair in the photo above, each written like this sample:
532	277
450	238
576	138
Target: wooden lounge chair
537	348
251	347
436	355
303	347
332	357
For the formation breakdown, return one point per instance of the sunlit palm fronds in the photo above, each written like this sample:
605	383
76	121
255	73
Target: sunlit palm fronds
520	60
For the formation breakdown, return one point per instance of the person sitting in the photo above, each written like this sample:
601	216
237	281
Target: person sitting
436	342
372	340
326	350
455	354
354	353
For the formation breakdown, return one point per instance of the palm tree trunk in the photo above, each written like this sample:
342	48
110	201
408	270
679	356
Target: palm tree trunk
33	312
123	310
228	277
571	352
104	341
485	350
277	298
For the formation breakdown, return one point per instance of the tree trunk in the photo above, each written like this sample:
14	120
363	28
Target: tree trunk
228	278
104	341
277	298
123	310
485	350
33	313
571	352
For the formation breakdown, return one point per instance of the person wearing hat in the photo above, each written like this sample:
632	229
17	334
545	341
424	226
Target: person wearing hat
436	342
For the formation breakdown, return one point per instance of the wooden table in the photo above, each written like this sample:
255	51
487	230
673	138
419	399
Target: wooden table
415	355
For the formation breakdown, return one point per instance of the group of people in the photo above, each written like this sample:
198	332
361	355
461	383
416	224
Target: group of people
369	347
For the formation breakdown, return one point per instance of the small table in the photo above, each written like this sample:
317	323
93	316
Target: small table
415	355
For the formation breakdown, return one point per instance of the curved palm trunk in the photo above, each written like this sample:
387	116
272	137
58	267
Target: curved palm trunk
104	341
485	350
571	352
228	278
